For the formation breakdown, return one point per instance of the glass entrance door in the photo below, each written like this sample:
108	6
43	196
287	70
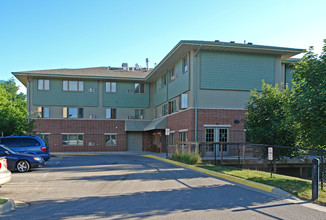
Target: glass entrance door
217	135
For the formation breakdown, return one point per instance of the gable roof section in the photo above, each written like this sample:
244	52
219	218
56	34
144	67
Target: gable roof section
86	73
183	47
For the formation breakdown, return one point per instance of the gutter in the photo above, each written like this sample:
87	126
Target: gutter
195	80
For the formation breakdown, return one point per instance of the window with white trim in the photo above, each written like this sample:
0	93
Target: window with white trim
172	106
163	81
72	139
72	112
110	139
172	75
72	86
111	113
171	139
45	137
43	112
139	113
139	88
43	84
110	87
165	110
184	64
183	136
184	101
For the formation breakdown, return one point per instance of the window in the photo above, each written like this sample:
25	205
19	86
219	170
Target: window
171	139
43	84
110	139
72	112
165	109
74	86
139	88
185	64
45	137
111	87
72	139
139	113
163	81
172	75
43	112
172	107
183	136
184	101
111	113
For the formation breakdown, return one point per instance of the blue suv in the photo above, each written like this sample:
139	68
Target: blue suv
27	144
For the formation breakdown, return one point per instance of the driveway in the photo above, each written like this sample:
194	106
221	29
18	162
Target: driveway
131	187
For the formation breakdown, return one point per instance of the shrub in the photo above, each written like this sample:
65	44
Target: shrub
186	157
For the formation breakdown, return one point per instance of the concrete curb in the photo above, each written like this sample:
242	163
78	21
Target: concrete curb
249	183
7	207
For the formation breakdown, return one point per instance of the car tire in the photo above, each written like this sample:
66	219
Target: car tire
23	166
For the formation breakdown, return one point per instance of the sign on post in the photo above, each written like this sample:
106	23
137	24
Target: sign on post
167	131
270	153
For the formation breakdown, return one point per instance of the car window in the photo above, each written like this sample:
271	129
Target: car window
10	142
29	142
2	151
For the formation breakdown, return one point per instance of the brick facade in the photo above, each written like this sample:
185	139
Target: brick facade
93	131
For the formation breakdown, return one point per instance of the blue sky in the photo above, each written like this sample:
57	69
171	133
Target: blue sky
44	34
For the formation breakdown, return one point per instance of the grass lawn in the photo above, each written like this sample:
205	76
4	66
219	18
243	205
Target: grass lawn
293	185
2	201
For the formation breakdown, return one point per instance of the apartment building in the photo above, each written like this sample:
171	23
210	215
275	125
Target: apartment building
198	91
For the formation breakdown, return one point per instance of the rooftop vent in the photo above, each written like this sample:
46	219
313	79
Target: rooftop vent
232	42
137	67
125	66
147	64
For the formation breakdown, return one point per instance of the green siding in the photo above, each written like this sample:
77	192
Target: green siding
57	97
124	99
160	96
288	76
180	85
235	71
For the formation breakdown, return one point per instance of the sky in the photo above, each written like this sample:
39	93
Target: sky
45	34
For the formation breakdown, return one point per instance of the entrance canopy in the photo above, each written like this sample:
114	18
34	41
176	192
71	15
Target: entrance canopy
160	123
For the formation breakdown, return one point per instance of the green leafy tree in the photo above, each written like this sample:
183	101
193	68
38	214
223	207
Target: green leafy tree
267	120
13	113
309	99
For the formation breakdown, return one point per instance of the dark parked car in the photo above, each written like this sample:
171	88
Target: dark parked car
20	162
28	145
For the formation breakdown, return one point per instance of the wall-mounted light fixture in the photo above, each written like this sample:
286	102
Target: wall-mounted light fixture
237	121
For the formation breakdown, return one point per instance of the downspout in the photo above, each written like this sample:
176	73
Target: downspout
195	80
28	99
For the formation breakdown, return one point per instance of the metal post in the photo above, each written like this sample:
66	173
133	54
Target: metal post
221	151
322	171
215	152
167	146
315	179
239	156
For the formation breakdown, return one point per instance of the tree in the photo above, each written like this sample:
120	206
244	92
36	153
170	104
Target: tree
308	102
13	113
267	120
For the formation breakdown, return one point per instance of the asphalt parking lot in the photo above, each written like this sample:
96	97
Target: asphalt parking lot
131	186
